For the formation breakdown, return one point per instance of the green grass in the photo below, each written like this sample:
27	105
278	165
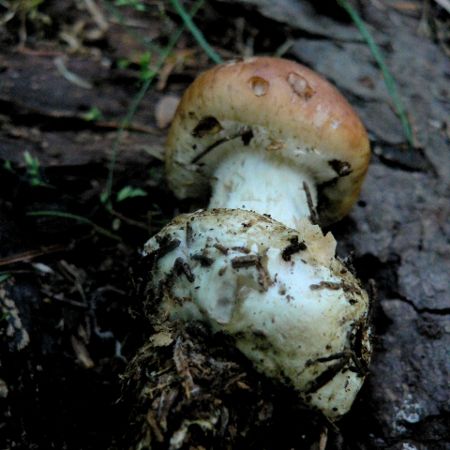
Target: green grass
129	192
145	41
136	4
81	219
389	80
196	33
106	196
93	115
4	276
33	170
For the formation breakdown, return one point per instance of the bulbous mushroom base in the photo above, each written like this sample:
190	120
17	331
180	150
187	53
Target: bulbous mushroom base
187	388
286	302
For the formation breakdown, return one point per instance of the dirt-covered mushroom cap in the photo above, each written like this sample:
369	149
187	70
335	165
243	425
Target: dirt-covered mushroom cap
291	306
279	108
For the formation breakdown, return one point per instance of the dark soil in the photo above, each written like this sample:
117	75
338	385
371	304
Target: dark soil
72	282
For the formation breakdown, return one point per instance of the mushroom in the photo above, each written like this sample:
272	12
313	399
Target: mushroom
270	136
282	150
298	319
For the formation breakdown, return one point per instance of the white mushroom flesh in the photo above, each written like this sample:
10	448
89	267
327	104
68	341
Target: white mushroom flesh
257	182
297	314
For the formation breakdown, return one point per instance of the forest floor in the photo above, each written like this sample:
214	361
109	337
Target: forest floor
80	194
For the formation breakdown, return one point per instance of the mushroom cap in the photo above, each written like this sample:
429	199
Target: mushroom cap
276	106
291	307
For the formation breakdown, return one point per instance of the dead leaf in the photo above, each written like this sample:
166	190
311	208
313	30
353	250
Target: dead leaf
177	60
162	339
82	353
165	110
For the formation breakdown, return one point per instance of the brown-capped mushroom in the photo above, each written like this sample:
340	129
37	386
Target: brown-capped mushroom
268	135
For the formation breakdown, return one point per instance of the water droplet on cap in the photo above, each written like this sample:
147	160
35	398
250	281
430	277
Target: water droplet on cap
259	86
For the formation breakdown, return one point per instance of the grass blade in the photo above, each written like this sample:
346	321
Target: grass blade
389	80
106	195
81	219
196	33
114	11
3	277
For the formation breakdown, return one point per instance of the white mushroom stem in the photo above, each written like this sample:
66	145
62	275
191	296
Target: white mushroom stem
255	182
